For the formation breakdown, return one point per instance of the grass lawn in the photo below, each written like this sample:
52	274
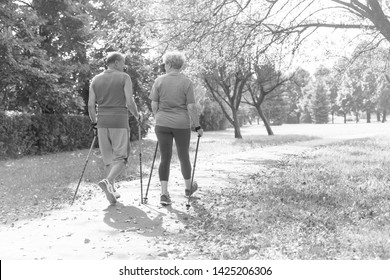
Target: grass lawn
32	185
332	203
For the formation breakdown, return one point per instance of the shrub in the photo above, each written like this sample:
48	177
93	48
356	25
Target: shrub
5	124
24	134
292	118
212	117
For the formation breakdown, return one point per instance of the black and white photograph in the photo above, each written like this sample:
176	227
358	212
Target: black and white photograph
195	139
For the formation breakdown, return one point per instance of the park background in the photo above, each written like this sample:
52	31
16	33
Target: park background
266	73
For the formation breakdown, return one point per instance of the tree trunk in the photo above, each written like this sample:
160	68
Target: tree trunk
378	116
368	117
236	125
332	117
357	117
345	117
265	121
384	116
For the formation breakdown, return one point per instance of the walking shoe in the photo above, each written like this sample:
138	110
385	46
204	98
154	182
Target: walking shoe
115	193
165	200
194	188
108	189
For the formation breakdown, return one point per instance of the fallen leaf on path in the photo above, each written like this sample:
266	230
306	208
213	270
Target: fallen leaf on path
163	254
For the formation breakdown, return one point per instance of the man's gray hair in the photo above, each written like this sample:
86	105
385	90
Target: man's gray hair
176	59
114	56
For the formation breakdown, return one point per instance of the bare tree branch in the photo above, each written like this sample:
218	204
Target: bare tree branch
305	26
25	3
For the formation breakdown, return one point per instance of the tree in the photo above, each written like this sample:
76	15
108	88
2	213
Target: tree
333	93
266	81
330	80
383	91
226	85
369	93
23	64
345	99
292	22
44	43
308	16
361	78
275	107
66	34
320	103
295	90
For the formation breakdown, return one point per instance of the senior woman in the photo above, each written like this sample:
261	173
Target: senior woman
173	105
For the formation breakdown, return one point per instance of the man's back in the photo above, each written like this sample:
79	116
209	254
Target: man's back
110	97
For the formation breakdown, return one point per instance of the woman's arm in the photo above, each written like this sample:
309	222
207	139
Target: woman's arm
193	112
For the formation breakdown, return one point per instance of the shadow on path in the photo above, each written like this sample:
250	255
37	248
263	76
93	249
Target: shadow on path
133	219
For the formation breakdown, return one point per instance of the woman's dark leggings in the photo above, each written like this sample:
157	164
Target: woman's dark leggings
165	136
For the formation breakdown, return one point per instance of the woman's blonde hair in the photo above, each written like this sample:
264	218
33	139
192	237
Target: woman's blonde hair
176	59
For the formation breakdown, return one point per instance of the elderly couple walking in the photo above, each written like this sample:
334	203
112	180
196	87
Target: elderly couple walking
173	105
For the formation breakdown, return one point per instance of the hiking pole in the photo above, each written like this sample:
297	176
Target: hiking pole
193	173
140	159
85	165
150	175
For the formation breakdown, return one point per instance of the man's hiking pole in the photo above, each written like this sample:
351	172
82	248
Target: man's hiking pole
150	175
140	159
85	165
193	173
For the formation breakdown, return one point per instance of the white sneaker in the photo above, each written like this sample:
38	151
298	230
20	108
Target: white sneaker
115	193
108	189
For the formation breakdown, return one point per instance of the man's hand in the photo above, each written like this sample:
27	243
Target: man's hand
140	119
94	128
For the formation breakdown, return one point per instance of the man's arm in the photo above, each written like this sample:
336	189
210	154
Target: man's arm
131	106
92	105
154	107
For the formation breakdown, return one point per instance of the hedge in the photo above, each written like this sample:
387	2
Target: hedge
24	134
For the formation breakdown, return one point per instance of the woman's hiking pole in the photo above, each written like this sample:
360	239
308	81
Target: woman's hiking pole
140	159
193	173
150	175
85	165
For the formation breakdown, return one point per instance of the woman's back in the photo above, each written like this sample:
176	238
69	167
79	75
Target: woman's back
173	92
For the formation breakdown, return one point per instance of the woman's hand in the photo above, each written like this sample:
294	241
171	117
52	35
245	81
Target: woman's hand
199	130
